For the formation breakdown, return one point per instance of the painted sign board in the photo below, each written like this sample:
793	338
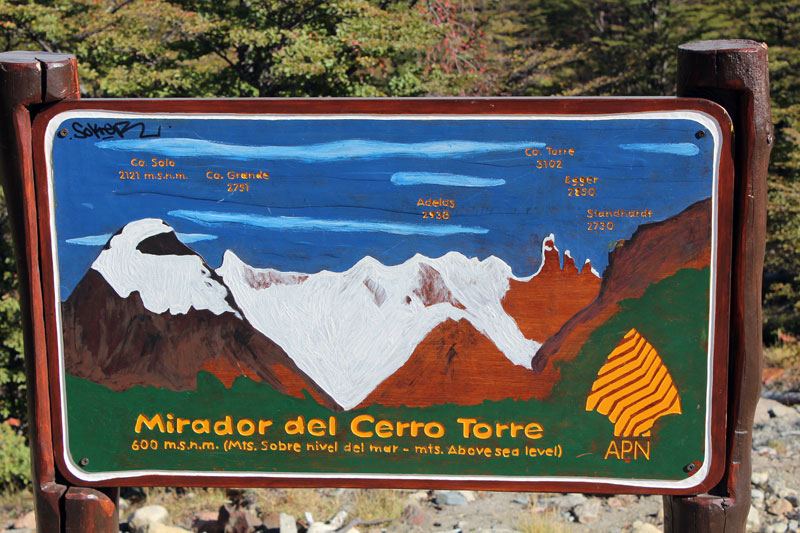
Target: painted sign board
517	294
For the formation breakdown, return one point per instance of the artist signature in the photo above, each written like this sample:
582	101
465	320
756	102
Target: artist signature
113	130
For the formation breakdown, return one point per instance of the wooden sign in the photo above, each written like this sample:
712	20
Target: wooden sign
514	294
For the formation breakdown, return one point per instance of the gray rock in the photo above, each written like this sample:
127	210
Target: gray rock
418	496
762	415
233	520
757	497
163	528
778	527
753	519
588	511
414	515
338	519
759	479
776	486
320	527
469	495
794	525
206	522
272	520
142	519
644	527
26	521
778	410
288	523
568	501
450	498
620	501
788	494
780	507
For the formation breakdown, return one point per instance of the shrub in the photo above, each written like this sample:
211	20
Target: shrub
15	459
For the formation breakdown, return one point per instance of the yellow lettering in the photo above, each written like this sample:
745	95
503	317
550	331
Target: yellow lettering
296	426
224	427
402	426
181	423
357	421
246	427
151	424
263	425
466	423
640	447
316	427
434	430
201	426
615	452
534	431
383	429
482	431
627	447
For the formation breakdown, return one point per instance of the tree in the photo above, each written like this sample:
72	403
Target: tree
202	48
12	369
778	24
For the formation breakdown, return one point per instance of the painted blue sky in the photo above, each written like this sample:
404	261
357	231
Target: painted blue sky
343	188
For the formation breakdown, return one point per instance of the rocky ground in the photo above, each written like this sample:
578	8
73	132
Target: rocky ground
775	509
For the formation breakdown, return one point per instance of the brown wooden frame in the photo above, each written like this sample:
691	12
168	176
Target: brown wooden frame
425	106
732	73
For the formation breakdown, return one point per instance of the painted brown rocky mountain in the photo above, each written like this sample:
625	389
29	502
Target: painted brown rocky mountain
455	363
118	343
545	303
655	252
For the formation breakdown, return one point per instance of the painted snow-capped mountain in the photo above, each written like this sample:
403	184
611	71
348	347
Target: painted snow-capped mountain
351	330
135	259
152	311
462	366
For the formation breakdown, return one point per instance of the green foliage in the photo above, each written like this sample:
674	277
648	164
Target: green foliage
778	24
15	459
12	371
628	47
369	48
201	48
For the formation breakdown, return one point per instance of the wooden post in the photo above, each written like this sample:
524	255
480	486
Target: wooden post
89	510
735	75
29	80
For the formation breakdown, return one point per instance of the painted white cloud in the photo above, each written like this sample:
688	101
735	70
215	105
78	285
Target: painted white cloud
453	180
212	218
101	240
685	149
330	151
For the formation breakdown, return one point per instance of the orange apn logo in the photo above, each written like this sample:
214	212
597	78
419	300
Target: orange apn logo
634	388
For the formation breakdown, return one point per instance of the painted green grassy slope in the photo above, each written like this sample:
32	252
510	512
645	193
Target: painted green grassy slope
672	315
